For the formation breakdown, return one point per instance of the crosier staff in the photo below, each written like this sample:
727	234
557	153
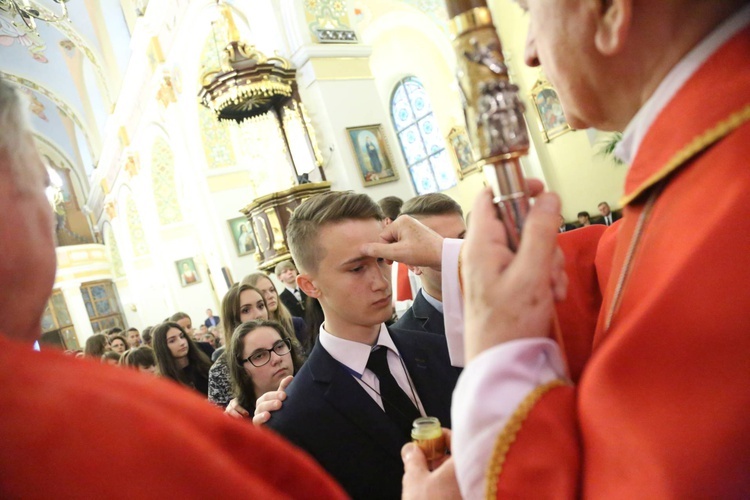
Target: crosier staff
494	116
494	112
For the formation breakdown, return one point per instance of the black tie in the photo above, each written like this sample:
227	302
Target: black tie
397	404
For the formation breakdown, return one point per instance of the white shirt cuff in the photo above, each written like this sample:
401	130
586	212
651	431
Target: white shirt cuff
453	305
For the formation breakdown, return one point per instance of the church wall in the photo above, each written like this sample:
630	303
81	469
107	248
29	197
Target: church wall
429	58
353	103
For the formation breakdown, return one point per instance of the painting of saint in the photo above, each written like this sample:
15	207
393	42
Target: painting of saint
371	152
187	271
242	235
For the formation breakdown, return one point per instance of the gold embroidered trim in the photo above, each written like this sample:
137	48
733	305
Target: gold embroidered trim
509	433
698	144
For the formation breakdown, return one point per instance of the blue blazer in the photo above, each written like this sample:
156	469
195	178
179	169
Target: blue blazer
329	415
422	317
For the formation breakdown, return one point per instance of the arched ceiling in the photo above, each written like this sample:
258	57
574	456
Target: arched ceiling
70	71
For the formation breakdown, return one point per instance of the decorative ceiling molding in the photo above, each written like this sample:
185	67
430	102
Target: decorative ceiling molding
62	105
69	164
67	29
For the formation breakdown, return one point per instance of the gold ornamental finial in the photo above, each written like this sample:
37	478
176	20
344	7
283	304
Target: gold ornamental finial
226	13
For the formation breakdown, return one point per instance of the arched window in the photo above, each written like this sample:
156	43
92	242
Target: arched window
421	142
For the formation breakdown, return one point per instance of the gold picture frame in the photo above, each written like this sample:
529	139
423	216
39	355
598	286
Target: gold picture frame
373	156
187	272
242	236
462	153
549	110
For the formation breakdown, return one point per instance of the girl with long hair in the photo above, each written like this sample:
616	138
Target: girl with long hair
96	345
260	355
241	303
178	358
276	310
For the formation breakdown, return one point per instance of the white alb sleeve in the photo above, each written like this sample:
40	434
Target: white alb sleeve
453	305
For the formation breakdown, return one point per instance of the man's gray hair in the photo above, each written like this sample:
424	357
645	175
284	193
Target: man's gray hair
14	127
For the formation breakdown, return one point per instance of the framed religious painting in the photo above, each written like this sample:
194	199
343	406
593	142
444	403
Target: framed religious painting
187	272
462	152
548	109
242	235
372	155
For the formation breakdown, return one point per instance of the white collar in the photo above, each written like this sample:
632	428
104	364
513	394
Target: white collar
351	354
432	300
638	127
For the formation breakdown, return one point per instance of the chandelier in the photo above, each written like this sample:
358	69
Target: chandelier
29	12
248	84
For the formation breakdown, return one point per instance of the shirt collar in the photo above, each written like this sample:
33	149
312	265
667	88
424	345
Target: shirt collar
432	301
627	148
354	355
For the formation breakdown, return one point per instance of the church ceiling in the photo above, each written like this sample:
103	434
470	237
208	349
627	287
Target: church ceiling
70	71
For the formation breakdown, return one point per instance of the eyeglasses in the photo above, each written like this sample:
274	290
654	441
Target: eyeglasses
262	356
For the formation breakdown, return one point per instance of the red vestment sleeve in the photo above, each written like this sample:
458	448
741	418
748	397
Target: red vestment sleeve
545	457
578	313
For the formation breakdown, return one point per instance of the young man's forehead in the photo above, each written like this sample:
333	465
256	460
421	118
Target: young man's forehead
342	240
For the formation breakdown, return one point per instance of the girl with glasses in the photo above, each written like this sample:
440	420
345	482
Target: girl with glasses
260	355
241	303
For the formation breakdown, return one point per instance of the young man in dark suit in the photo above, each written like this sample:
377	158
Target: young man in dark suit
443	215
352	404
292	297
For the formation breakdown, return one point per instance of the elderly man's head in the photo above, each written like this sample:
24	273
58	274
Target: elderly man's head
602	57
27	245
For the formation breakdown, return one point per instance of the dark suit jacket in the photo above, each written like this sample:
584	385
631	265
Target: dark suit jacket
600	219
329	415
422	317
208	321
291	302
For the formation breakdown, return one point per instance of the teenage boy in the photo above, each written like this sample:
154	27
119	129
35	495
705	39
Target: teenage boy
352	404
292	297
444	215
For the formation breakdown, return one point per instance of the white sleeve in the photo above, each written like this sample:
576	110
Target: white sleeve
488	392
453	306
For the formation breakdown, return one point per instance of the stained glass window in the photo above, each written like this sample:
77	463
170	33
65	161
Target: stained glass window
100	298
57	317
422	144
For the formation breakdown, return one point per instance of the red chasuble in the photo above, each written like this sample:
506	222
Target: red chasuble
662	407
74	428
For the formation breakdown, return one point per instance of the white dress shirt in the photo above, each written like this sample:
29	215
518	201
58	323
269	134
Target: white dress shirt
295	292
432	300
505	374
354	356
